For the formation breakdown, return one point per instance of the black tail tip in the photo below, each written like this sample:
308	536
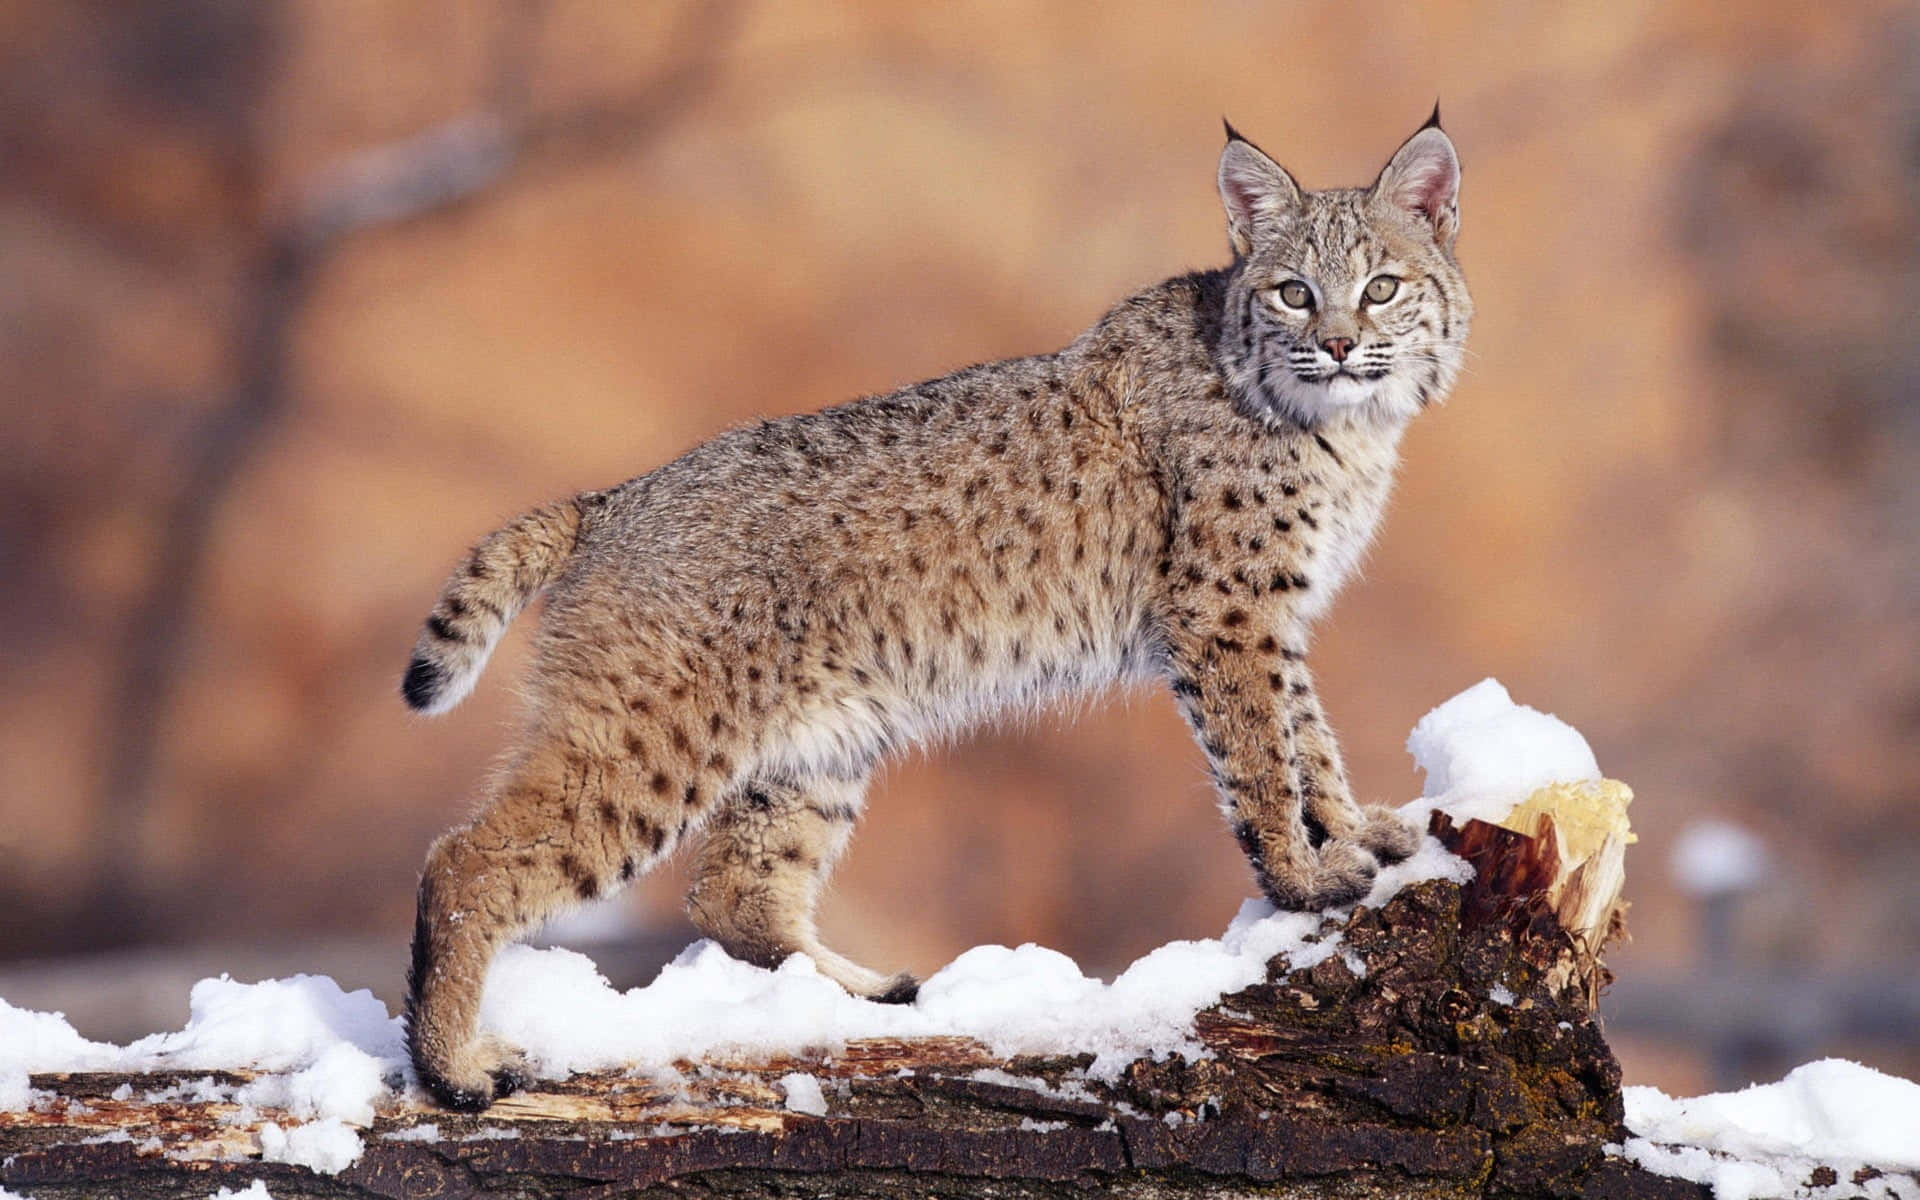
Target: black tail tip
423	684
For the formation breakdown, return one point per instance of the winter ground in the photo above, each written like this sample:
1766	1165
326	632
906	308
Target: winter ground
328	1058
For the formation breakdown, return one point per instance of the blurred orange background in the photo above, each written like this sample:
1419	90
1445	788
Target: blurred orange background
1675	499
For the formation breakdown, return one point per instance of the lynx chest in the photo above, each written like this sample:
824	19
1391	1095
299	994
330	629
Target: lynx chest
1283	520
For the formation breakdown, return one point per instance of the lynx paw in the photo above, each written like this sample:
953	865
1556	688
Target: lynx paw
1389	838
489	1071
1338	874
510	1078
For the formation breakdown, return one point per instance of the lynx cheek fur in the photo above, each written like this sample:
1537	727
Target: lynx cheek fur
731	642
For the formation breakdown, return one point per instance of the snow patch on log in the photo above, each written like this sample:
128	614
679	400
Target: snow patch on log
327	1145
1772	1139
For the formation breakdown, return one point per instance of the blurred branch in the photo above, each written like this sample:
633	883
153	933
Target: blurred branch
477	151
463	158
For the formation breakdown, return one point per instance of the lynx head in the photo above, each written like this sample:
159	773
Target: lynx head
1345	303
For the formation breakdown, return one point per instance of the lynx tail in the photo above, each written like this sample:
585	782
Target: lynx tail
503	573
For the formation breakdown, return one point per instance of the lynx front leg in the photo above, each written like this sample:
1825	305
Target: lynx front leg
1326	799
1233	692
767	855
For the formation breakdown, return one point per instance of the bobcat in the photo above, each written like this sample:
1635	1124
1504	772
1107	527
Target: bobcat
733	641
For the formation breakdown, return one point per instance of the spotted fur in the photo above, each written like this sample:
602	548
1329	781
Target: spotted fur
733	641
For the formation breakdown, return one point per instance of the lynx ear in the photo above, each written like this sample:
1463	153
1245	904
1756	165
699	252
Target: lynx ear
1257	191
1423	179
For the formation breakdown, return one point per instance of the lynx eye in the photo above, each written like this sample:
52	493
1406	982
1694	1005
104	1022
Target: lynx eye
1382	288
1295	294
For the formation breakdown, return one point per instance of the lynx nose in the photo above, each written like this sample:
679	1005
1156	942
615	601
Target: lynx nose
1338	347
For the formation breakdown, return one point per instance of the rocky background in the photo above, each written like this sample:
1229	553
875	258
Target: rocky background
250	421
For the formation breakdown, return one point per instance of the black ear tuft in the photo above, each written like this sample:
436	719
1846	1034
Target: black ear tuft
1422	179
1233	135
1433	122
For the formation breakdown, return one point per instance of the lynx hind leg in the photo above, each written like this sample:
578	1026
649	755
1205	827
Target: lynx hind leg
769	849
558	831
458	927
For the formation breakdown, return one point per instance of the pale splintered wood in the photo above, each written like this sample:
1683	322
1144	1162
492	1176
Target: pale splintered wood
1564	847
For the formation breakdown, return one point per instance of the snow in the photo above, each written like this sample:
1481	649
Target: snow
1715	857
343	1083
16	1091
326	1146
426	1132
803	1094
257	1190
1483	753
1767	1139
30	1038
330	1058
1730	1179
278	1025
325	1054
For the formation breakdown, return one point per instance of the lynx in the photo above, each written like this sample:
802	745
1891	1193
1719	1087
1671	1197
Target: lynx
733	641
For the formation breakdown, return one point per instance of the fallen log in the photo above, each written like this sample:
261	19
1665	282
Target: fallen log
1449	1049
